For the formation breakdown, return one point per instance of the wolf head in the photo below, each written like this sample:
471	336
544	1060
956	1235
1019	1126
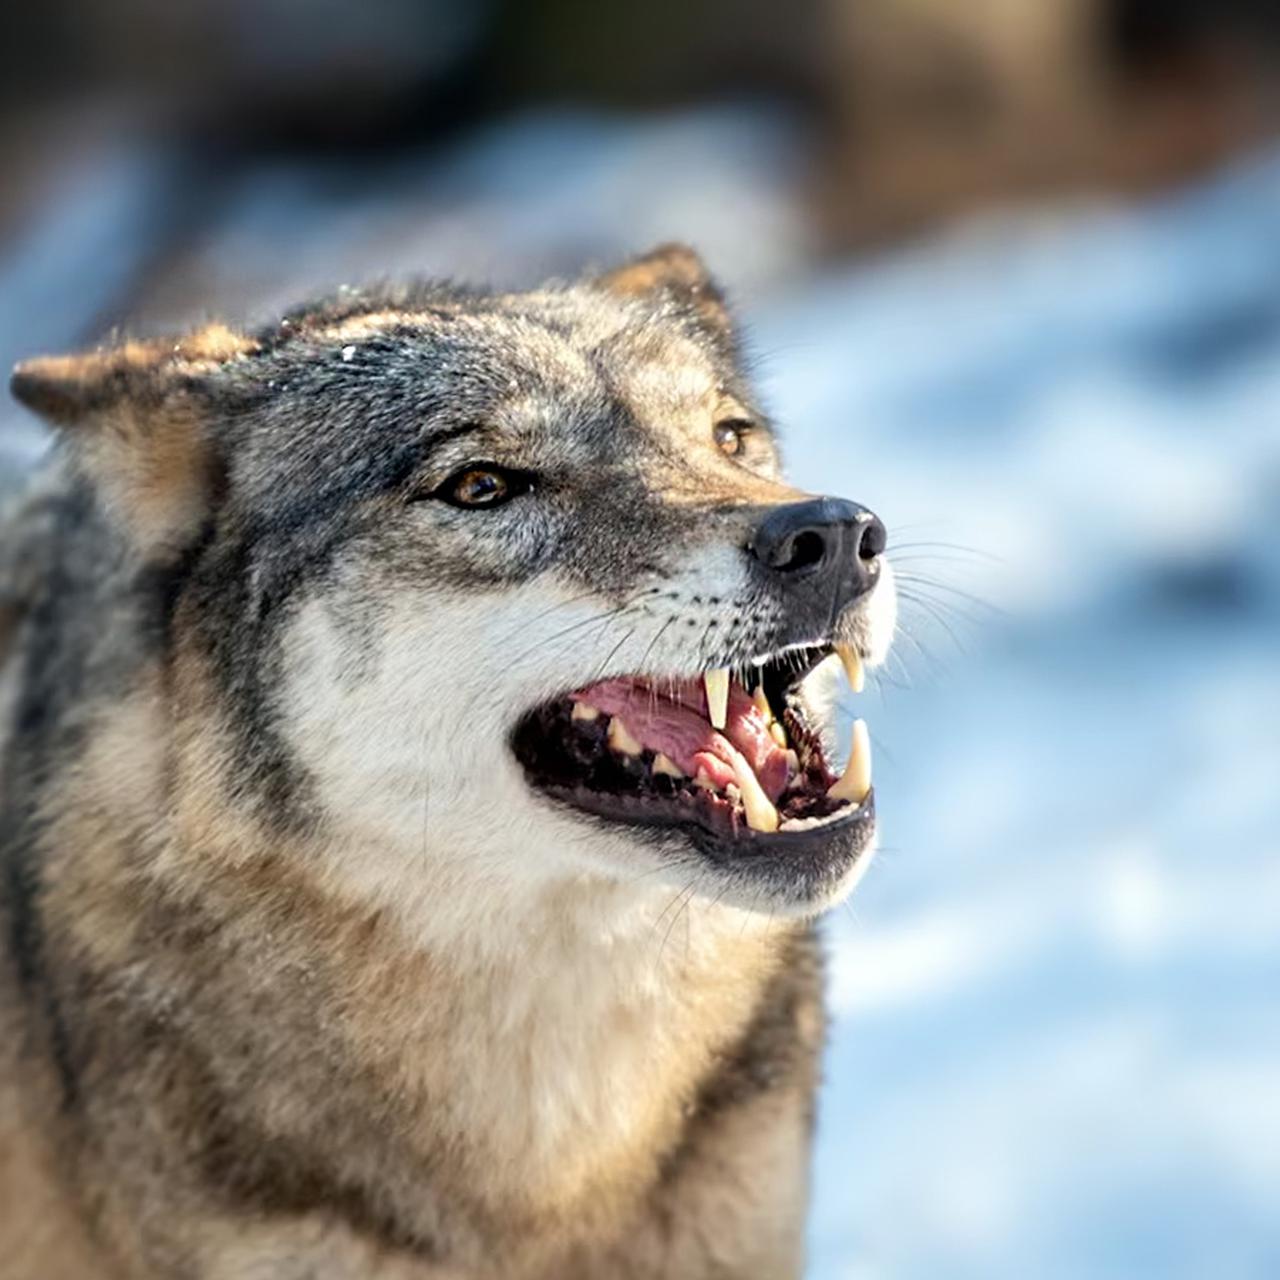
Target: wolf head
474	590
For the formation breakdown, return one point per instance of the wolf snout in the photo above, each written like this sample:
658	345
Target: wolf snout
829	545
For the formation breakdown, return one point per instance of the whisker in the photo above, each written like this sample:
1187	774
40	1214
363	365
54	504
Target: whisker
650	646
599	618
951	609
526	623
688	921
934	614
930	660
687	895
919	579
958	548
675	898
934	609
613	653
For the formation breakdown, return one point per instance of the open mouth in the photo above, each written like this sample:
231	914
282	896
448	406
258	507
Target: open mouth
729	752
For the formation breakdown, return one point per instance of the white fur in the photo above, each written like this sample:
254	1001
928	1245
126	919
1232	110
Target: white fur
411	756
591	948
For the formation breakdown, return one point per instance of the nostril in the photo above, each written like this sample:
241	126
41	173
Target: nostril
872	538
806	548
819	536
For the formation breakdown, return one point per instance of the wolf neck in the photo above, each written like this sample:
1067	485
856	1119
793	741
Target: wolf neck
551	1040
537	1043
581	1022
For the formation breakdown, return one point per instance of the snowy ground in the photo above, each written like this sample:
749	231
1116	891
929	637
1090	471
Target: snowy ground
1056	1049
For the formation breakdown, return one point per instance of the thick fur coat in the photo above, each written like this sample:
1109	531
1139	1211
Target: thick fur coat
298	976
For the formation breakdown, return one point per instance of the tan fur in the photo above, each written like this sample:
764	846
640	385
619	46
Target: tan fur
673	267
303	978
64	388
47	1237
136	430
155	479
608	1055
599	1066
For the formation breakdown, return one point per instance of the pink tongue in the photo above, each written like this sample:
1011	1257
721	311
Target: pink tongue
675	723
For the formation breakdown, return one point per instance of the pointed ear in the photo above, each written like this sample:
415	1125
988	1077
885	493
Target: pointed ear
137	420
672	271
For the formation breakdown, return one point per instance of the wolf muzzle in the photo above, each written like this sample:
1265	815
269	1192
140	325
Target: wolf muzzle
824	553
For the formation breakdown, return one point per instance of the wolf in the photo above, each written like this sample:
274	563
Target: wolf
417	792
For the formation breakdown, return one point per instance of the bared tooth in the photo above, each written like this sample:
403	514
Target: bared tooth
762	704
855	783
778	734
703	779
761	815
665	764
793	763
584	711
621	739
853	670
716	683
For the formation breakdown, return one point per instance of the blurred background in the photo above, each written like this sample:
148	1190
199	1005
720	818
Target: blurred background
1012	274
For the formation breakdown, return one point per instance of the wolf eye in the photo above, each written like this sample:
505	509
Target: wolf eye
483	484
730	435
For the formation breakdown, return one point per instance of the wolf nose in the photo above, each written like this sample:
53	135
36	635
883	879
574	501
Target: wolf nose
838	540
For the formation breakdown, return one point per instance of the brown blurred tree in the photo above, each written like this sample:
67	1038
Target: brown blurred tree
938	106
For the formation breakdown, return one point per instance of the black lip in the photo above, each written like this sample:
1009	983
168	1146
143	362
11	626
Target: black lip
793	871
849	831
785	673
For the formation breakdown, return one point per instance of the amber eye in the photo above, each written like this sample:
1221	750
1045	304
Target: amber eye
730	435
483	484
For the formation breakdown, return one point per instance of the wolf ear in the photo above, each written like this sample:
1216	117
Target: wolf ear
138	426
676	271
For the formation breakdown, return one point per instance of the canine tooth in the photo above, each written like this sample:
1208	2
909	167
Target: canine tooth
584	711
793	763
703	780
762	703
717	685
852	661
856	781
761	815
665	764
778	734
621	739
